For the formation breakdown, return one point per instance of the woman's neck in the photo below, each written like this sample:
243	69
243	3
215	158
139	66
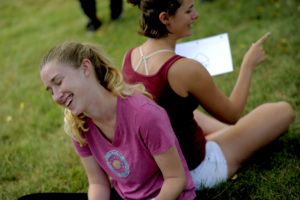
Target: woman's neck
161	43
103	112
103	106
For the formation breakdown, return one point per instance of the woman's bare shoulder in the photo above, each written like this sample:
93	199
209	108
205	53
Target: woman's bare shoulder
187	68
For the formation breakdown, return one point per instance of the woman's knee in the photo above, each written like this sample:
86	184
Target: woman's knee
285	110
289	110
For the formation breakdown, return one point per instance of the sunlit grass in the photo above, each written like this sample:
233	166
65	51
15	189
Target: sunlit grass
36	155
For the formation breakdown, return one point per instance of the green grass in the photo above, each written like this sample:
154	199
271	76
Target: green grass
36	155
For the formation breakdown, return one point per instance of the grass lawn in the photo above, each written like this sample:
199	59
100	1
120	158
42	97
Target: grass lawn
36	155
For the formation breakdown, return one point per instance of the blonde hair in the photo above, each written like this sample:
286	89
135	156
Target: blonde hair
109	77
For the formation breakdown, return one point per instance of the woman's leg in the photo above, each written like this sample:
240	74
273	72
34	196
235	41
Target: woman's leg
255	130
208	124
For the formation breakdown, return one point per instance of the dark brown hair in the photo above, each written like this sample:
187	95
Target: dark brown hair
150	24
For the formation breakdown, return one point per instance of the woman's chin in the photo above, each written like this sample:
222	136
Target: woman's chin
189	33
74	112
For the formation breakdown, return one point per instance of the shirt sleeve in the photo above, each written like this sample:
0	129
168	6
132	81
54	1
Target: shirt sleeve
82	151
155	128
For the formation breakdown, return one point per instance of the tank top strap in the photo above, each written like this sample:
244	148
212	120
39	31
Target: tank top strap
145	58
168	64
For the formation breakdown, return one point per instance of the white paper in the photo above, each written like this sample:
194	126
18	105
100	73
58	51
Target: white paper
212	52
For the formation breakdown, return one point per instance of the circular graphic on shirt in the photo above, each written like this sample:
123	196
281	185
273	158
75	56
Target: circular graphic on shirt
117	163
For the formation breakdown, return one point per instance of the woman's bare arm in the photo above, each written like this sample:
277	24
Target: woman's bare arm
99	186
173	172
189	76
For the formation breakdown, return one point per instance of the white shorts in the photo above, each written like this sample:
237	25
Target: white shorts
212	170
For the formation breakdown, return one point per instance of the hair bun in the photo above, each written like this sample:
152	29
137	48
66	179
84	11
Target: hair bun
134	2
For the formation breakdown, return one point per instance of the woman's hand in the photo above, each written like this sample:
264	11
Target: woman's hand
256	54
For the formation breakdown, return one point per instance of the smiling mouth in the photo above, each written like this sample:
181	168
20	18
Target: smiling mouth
69	101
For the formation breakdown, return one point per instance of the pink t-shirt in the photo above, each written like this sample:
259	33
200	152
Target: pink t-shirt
142	131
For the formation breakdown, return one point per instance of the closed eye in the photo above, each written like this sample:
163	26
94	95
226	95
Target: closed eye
190	9
57	81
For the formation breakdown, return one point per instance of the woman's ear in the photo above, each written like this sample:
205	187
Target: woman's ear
164	18
86	66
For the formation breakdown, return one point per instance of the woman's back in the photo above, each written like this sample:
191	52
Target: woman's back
180	109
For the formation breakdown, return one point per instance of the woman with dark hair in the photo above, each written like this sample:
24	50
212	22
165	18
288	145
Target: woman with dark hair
214	147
